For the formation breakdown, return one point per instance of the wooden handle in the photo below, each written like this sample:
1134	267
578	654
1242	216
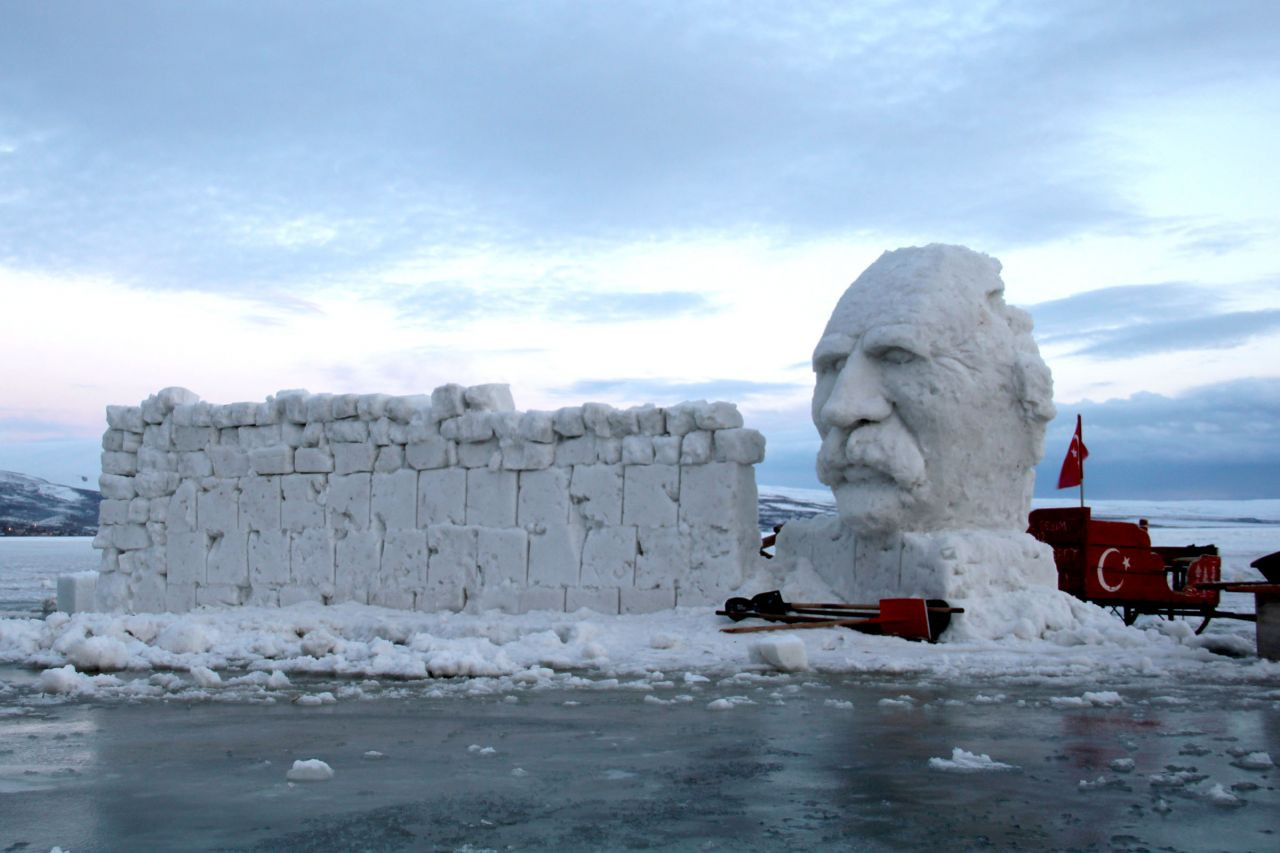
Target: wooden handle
827	623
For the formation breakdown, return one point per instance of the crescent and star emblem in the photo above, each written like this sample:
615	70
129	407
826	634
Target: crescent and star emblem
1102	579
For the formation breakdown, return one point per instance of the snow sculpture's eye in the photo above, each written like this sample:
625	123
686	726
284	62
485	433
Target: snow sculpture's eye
838	365
896	355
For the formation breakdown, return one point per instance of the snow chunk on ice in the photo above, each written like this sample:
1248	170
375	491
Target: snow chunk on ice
206	677
1220	796
310	770
1097	699
962	761
785	653
728	703
1122	765
481	750
1255	761
99	653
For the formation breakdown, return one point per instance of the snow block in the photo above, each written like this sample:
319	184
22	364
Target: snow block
576	451
651	495
432	451
390	458
268	555
490	398
353	457
662	556
448	401
637	450
453	565
260	503
543	497
491	498
229	461
633	600
228	560
311	558
271	460
302	504
695	448
555	554
568	422
486	454
394	500
596	492
76	592
356	563
312	460
116	486
218	506
442	496
349	500
404	558
185	554
609	557
502	556
599	600
527	456
119	462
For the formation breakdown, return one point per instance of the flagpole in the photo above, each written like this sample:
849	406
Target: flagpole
1080	433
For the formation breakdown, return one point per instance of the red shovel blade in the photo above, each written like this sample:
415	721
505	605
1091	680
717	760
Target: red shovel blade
904	617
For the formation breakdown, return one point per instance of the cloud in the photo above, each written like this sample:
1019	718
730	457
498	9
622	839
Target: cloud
673	391
193	145
457	302
1216	441
1135	320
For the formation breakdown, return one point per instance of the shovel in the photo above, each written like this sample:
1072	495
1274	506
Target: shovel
909	618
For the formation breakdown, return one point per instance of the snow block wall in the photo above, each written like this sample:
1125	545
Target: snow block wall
430	502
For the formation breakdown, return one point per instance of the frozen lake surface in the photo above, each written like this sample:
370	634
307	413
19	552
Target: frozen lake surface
796	762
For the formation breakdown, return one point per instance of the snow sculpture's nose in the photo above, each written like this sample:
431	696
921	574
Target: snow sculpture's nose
858	397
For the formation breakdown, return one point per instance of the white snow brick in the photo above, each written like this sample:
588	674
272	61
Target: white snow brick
291	434
292	405
491	498
76	592
541	598
596	418
152	411
650	495
682	417
495	397
442	496
390	458
262	596
568	422
185	555
718	415
609	451
148	594
666	449
404	558
220	595
609	557
129	537
312	460
555	554
502	556
228	560
189	438
576	451
402	409
421	428
156	484
156	460
527	456
596	492
448	401
302	501
159	511
543	497
319	408
349	499
470	427
158	532
599	600
229	461
372	407
453	566
117	462
313	435
716	561
486	454
127	418
271	460
695	448
505	599
506	425
249	437
538	427
218	506
430	451
229	436
787	654
294	593
357	562
195	464
311	558
744	446
646	600
181	511
650	419
350	458
179	598
346	431
130	442
158	436
268	558
623	422
173	396
112	593
113	439
394	500
719	494
116	487
139	511
386	431
113	512
345	406
385	592
637	450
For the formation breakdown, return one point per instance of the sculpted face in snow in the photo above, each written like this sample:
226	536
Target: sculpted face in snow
931	396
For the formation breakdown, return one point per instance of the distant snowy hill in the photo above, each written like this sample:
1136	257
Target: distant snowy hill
31	506
779	504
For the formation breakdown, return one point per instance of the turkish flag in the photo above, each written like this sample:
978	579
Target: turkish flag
1073	466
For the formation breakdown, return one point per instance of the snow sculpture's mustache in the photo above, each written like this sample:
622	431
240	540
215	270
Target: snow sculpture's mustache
870	452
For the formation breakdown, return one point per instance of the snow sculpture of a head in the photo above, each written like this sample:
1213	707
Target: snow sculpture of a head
931	396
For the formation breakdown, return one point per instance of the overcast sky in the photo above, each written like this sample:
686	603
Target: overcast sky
633	203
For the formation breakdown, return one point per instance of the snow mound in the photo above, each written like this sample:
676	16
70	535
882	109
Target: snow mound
962	761
309	770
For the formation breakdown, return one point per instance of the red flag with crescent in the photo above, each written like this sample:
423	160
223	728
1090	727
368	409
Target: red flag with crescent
1072	473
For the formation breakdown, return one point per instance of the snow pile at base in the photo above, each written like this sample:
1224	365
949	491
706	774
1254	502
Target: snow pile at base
271	654
967	762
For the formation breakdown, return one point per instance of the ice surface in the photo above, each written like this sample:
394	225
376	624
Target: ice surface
962	761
